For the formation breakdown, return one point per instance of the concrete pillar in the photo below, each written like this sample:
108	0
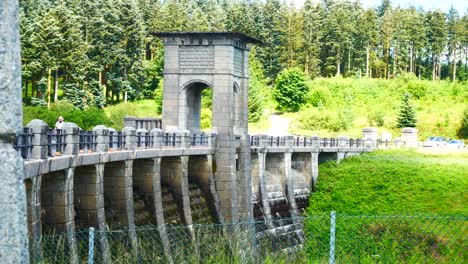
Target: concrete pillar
72	138
13	223
102	138
263	188
225	177
39	130
157	135
33	193
153	179
118	195
57	201
185	140
410	137
370	136
315	170
244	180
174	173
290	183
212	187
130	138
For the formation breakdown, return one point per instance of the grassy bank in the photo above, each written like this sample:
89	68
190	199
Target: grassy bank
346	105
395	181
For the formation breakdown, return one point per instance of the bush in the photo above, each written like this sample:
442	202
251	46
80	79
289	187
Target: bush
319	96
158	97
85	119
290	91
416	88
319	118
205	118
463	130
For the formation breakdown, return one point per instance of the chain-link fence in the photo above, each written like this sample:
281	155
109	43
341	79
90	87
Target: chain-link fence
321	238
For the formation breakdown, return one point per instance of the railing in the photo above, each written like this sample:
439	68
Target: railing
55	142
116	140
144	140
88	141
254	141
199	139
171	140
23	143
355	142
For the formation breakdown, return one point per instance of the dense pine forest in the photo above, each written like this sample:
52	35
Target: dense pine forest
98	52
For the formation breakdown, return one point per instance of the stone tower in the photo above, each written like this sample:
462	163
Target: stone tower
194	61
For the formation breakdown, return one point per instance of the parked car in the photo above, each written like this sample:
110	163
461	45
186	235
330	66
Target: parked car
455	144
435	142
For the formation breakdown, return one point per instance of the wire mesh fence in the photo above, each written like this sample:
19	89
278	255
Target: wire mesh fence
312	239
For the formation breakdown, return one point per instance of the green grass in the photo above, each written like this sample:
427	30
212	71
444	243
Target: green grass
364	102
395	181
143	108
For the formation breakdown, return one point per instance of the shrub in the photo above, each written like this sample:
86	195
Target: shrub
319	118
376	118
85	119
205	118
319	96
290	91
158	97
463	130
416	88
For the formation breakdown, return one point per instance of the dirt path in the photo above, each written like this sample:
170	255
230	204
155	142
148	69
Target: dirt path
278	125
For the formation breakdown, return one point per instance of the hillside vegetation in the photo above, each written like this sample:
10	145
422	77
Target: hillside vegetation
346	105
395	181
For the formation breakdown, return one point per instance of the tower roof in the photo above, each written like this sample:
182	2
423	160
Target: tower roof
236	35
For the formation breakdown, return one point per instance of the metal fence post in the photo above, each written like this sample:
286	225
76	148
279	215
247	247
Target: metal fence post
91	246
332	236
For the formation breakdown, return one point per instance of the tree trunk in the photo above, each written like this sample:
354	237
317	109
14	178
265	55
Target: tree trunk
411	59
433	67
49	73
56	77
387	51
454	75
439	67
338	62
367	61
349	62
395	61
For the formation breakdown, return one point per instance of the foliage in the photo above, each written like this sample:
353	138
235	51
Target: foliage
86	119
320	118
100	52
463	130
144	108
257	89
319	96
407	116
290	90
205	118
392	181
376	102
158	97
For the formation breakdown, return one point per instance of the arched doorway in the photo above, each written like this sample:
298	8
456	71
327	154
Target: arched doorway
194	92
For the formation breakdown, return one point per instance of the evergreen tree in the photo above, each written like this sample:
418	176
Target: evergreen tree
257	89
312	38
407	116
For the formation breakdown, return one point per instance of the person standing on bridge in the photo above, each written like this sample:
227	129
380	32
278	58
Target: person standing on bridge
56	148
59	123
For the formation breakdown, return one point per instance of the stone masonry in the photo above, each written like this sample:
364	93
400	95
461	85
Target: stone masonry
13	220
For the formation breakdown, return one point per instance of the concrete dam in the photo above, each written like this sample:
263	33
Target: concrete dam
120	180
168	172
